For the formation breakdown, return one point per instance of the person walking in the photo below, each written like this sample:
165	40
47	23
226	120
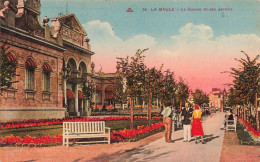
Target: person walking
197	129
186	116
210	112
167	119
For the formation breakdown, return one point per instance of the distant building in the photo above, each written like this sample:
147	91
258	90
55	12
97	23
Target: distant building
216	98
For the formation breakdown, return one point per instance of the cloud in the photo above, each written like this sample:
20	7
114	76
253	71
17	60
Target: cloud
107	45
191	32
194	53
200	57
101	31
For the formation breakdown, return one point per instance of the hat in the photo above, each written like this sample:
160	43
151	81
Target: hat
197	107
169	104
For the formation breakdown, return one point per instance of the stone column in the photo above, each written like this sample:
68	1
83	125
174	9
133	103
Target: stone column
77	101
86	107
65	93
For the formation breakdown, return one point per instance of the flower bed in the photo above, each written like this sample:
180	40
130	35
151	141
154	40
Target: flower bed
252	132
97	106
116	136
28	140
44	122
125	134
110	107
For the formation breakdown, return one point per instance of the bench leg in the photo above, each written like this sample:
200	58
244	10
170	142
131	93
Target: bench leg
67	142
63	141
109	136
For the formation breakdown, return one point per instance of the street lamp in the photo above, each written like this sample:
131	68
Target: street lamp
95	85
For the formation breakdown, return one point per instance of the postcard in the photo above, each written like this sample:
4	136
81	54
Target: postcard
129	80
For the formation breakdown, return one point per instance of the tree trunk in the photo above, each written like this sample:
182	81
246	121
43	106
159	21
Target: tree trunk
150	105
143	106
249	112
244	116
132	114
256	113
180	105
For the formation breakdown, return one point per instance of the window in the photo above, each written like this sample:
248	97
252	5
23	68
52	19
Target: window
30	78
46	68
46	81
46	74
30	68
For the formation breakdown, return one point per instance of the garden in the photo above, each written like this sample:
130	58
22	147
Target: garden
48	132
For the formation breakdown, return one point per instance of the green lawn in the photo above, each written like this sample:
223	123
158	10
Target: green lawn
57	129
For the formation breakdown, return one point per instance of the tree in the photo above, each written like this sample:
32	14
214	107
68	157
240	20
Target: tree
149	87
88	90
182	92
119	95
246	82
200	97
231	98
7	69
131	70
167	88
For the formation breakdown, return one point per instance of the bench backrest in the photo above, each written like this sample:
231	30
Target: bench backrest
84	127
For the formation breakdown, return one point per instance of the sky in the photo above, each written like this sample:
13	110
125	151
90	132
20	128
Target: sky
194	39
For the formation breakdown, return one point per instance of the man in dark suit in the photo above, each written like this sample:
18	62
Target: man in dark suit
186	116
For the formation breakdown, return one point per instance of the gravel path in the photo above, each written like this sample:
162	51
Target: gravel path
183	151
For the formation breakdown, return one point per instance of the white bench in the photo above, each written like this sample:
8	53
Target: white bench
91	129
231	125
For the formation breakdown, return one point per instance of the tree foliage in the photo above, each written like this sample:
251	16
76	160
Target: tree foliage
231	98
183	92
119	96
88	90
246	79
167	87
7	69
200	97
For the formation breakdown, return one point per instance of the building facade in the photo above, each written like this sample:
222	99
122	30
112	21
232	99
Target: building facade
216	98
53	64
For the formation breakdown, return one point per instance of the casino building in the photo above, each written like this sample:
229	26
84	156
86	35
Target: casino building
53	64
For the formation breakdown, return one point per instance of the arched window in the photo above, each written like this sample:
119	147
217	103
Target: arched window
82	69
46	68
109	92
30	69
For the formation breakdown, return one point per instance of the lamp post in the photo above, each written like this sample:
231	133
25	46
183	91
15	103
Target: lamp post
95	97
66	72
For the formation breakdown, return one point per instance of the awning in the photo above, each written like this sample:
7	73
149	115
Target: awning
98	88
109	89
11	58
30	63
46	67
108	96
70	94
81	95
